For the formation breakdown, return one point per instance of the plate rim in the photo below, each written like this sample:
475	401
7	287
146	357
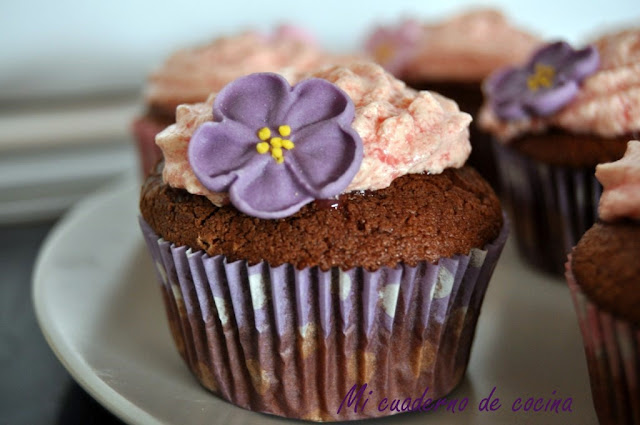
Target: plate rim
85	375
72	361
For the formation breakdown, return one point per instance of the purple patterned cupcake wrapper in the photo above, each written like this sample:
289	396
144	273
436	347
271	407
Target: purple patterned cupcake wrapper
612	348
293	342
551	206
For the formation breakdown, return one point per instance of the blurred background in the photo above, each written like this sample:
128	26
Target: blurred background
71	72
71	78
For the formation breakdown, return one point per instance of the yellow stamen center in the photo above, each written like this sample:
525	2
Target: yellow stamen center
274	144
264	133
542	77
284	130
277	154
262	147
287	144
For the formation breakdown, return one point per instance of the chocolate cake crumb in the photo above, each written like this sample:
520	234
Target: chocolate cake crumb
419	217
558	147
605	265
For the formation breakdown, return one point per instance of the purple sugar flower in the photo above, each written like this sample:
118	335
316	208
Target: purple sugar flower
392	47
545	84
274	147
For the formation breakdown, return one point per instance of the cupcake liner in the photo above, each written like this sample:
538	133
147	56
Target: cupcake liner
293	343
612	348
551	206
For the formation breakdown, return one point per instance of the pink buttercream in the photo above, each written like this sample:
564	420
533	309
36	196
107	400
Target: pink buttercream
621	182
174	143
403	131
467	47
608	103
190	75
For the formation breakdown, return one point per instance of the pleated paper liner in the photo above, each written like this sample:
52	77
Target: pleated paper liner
551	206
612	348
294	342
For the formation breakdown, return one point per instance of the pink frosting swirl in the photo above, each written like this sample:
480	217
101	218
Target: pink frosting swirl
607	105
191	74
621	182
403	131
468	47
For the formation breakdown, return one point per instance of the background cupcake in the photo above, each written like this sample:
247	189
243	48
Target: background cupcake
191	74
453	57
314	238
553	120
603	274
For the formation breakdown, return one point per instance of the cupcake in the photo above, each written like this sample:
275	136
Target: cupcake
190	75
553	120
603	274
453	58
322	243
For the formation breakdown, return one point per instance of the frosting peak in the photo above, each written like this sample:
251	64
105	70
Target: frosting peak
621	182
402	130
191	74
466	47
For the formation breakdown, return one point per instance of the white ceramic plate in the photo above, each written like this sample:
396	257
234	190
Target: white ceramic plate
102	314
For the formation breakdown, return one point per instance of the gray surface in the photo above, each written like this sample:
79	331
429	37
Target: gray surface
34	387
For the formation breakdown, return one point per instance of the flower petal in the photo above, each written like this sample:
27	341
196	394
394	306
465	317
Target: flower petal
510	110
391	47
316	100
549	101
583	63
516	93
326	157
494	80
507	84
554	54
505	89
270	192
254	100
220	152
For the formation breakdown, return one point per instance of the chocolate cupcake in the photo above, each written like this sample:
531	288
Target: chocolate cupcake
603	274
553	120
452	58
191	74
314	239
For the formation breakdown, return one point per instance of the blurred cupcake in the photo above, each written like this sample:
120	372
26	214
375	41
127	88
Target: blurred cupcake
553	120
190	75
453	58
603	273
317	241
